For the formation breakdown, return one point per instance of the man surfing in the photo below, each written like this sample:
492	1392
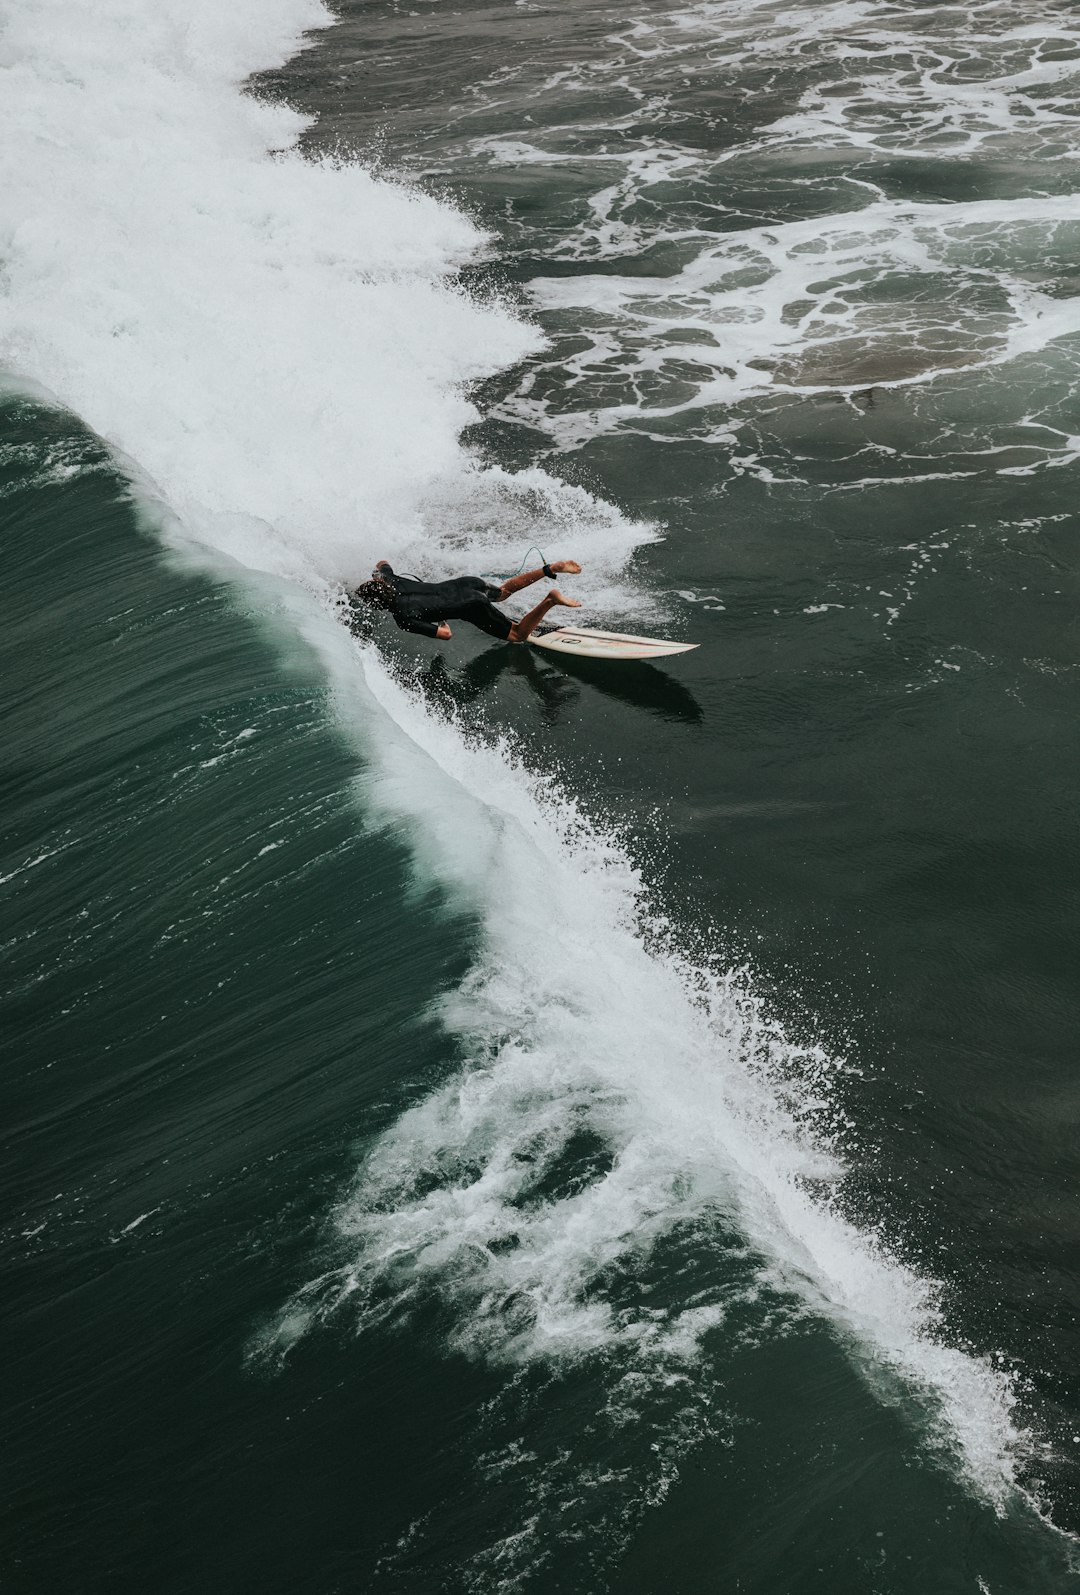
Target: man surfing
425	607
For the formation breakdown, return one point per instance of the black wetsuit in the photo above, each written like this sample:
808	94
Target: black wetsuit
422	606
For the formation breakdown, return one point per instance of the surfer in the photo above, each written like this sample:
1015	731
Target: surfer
425	607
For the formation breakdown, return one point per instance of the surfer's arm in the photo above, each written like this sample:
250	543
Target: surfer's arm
423	628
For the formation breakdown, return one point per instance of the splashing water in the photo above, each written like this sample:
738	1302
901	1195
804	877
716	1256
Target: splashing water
616	1097
280	349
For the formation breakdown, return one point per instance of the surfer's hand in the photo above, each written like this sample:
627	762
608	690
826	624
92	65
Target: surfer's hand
444	633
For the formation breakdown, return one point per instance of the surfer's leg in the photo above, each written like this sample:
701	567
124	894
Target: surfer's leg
514	584
481	612
522	628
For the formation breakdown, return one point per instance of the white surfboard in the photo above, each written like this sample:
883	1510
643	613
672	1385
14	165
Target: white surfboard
588	643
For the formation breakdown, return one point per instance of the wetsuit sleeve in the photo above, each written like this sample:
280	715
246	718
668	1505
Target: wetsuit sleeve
422	628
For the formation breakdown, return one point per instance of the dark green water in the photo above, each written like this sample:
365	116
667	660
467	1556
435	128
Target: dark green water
382	1212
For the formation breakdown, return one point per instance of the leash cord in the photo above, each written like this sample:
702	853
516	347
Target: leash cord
506	576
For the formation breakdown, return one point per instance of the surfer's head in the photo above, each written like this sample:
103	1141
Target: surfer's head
377	592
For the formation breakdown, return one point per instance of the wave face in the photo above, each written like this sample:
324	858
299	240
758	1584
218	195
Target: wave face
627	1157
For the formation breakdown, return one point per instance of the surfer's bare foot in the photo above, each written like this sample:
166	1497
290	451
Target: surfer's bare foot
524	628
567	567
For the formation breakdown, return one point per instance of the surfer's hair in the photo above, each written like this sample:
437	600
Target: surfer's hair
376	592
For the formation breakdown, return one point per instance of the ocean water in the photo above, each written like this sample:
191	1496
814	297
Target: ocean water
475	1123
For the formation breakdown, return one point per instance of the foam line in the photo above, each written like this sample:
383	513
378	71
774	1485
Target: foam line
809	306
707	1115
893	293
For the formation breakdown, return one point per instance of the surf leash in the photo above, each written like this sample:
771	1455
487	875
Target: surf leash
503	576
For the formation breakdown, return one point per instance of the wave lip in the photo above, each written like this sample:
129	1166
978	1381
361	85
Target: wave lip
279	344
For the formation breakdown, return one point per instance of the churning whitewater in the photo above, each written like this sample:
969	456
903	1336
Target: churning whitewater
603	1047
278	346
278	350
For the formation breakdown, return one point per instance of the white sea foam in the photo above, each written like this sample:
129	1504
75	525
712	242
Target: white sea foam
278	344
881	290
811	305
687	1110
279	348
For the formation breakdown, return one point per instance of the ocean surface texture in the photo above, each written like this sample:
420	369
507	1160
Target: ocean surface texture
476	1122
